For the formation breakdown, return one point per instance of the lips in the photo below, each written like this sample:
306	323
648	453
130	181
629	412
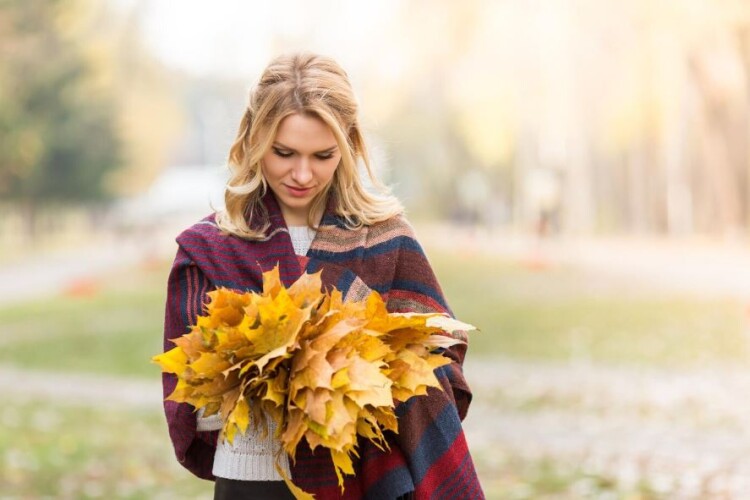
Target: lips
297	191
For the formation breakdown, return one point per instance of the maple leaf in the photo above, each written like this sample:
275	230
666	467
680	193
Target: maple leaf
323	369
272	282
280	322
276	388
172	361
305	292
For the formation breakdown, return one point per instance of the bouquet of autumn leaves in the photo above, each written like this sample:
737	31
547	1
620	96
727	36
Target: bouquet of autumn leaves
323	369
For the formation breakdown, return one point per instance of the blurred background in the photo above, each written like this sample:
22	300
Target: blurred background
577	170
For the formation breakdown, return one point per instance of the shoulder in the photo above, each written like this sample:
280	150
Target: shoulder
206	225
205	236
396	227
396	232
388	235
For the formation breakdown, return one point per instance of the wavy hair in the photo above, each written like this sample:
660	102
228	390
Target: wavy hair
313	85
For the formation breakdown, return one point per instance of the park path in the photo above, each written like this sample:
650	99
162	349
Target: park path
46	274
80	388
43	274
686	433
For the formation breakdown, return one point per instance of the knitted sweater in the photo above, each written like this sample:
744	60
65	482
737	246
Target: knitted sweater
252	456
429	455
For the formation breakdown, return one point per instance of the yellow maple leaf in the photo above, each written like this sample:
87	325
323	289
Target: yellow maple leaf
306	291
341	463
172	361
322	369
272	282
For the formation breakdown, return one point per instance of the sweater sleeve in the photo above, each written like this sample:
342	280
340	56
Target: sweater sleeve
186	294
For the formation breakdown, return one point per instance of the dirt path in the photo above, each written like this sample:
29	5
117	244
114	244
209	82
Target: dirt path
685	433
87	389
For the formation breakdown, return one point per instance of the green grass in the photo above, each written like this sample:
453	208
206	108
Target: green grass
60	451
513	477
113	331
562	314
556	314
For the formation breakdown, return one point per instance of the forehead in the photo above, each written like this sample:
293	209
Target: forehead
305	132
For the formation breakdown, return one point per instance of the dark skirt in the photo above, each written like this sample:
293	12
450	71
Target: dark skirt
231	489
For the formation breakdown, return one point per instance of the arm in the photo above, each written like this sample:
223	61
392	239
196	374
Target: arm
430	427
416	289
186	294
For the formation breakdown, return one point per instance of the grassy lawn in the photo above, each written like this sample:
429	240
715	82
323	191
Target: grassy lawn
554	314
70	451
511	477
115	331
53	451
560	314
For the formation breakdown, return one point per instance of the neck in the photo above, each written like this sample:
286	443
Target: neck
300	218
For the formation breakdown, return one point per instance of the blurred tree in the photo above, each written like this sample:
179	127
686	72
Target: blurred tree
57	129
149	114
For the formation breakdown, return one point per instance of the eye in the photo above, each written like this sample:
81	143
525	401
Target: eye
283	154
325	156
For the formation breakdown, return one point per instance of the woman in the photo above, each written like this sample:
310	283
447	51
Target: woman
295	199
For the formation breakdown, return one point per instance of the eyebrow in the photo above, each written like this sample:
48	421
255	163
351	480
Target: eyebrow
329	150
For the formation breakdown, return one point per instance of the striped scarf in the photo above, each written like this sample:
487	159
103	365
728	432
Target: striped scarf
429	457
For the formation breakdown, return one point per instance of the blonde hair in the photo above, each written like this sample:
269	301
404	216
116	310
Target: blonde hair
313	85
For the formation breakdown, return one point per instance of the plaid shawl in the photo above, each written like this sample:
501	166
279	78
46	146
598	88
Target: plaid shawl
429	456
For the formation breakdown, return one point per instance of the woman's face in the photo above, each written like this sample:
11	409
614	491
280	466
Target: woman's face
300	164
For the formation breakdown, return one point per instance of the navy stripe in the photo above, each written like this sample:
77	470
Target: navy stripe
333	220
472	488
436	439
421	288
410	244
183	291
313	266
472	483
345	281
192	288
381	288
452	481
395	244
393	484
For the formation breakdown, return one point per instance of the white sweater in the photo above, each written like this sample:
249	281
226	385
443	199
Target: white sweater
252	457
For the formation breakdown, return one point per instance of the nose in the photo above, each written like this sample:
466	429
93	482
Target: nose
302	172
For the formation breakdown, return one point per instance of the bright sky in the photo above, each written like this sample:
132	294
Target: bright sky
236	38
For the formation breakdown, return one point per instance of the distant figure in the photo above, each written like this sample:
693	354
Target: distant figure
295	199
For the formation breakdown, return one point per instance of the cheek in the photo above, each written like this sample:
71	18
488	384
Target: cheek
330	170
270	166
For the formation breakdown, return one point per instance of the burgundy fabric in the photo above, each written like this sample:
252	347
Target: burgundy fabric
429	455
